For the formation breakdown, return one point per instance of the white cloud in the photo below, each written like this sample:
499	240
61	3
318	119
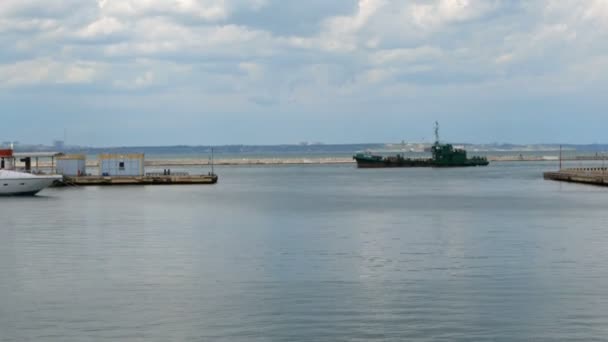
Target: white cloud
505	58
159	37
208	10
340	33
381	44
597	10
379	75
255	71
144	80
442	12
78	74
351	24
104	26
47	71
401	55
37	8
27	25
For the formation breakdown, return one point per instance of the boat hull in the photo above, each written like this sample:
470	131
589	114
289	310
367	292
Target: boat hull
25	186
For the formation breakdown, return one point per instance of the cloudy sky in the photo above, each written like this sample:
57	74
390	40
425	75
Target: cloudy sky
157	72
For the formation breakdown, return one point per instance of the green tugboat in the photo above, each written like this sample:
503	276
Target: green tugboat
444	155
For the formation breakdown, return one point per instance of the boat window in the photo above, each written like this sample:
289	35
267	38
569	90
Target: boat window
121	165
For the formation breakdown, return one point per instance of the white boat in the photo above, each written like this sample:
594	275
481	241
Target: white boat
13	183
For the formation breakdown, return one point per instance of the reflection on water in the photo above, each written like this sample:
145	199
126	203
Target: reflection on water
307	253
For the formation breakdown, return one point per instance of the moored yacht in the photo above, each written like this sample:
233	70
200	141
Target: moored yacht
13	183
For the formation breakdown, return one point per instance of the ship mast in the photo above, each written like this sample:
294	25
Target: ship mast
436	133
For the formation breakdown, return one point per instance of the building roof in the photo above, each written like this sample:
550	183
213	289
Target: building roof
72	157
121	156
37	154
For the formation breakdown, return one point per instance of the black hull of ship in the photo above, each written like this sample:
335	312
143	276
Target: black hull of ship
375	164
367	164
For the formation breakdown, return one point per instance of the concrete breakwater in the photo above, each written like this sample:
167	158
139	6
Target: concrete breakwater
249	161
586	175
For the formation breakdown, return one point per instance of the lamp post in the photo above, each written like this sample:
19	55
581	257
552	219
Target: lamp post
560	157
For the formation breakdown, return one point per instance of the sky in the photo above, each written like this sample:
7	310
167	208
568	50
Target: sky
211	72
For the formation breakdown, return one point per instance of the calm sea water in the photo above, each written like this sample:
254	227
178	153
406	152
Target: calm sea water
310	253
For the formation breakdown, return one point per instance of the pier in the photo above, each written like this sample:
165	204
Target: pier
585	175
148	179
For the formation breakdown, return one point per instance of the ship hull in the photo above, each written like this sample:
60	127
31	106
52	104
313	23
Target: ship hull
372	164
364	163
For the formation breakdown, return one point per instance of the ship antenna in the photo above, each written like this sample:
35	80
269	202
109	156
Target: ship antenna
436	132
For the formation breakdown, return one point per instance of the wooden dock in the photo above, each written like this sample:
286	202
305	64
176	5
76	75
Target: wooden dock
586	175
141	180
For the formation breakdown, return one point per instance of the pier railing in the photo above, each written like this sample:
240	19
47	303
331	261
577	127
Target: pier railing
160	174
587	175
586	170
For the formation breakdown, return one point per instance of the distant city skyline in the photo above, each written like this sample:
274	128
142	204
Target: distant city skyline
264	72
